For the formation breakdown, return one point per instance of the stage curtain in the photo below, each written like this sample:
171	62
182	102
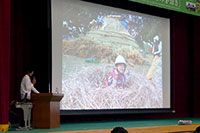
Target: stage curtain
196	67
5	10
20	44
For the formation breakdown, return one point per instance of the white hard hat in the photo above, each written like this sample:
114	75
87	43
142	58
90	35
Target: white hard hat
120	59
156	38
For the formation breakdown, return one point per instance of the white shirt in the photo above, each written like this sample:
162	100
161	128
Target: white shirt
26	87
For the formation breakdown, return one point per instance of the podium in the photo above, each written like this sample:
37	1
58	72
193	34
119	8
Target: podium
46	110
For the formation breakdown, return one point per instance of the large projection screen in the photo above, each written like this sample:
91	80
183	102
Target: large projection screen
106	58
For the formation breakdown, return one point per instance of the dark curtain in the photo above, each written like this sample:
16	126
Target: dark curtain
29	44
20	47
196	68
5	8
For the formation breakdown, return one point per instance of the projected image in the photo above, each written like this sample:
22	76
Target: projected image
111	59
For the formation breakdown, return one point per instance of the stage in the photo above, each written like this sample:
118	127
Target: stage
135	126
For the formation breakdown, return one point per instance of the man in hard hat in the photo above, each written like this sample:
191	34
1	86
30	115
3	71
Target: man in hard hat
157	46
117	77
156	51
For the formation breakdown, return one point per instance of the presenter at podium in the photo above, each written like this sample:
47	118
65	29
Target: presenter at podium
27	85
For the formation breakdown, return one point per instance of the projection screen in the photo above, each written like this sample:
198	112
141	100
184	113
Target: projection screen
106	58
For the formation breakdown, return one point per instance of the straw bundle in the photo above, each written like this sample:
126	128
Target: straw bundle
86	48
87	89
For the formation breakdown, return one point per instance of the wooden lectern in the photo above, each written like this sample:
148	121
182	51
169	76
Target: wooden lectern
46	110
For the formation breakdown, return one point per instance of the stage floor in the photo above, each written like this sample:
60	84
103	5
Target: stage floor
135	126
160	129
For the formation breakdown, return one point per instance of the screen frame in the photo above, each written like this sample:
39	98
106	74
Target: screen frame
136	8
